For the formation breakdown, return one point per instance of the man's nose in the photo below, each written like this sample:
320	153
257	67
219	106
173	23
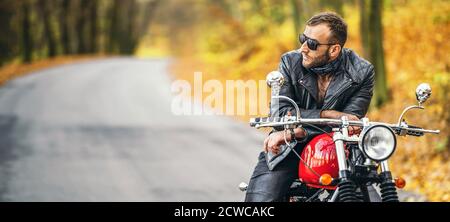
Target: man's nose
304	48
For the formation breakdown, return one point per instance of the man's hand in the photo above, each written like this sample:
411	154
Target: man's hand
333	114
273	142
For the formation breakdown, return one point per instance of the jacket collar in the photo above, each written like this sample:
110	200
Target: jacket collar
340	80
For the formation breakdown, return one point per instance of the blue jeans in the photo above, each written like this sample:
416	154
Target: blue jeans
272	186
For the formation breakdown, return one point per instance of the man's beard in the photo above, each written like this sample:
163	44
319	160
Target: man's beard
320	61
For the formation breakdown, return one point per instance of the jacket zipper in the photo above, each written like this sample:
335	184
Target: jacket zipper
337	96
307	89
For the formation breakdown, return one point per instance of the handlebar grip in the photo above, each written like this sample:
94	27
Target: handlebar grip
259	120
413	133
410	132
255	121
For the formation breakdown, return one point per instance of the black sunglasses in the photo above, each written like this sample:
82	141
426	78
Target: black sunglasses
311	43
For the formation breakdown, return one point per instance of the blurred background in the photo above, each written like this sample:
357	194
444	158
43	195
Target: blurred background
164	40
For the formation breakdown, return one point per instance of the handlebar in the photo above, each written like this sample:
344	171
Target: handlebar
289	120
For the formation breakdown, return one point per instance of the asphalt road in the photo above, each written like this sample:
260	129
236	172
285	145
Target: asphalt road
104	131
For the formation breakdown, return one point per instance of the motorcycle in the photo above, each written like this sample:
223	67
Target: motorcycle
338	167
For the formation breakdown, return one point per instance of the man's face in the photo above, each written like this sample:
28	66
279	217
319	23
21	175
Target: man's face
320	56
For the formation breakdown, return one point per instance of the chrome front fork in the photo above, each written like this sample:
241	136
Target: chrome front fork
385	166
341	135
338	138
342	160
346	189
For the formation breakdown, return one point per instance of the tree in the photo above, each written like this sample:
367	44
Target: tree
296	17
335	5
64	27
27	41
128	24
128	34
309	8
93	8
372	41
113	34
45	13
149	11
364	27
7	41
81	27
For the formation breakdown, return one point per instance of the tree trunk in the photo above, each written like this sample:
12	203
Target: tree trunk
336	5
364	27
296	18
81	27
377	53
113	27
93	26
27	41
128	38
8	40
309	8
64	27
150	8
45	12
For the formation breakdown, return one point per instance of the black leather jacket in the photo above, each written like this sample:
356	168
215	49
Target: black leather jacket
350	90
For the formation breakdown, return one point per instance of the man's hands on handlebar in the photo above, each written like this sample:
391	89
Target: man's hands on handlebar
333	114
273	142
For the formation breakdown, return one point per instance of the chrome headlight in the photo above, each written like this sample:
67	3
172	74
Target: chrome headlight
378	142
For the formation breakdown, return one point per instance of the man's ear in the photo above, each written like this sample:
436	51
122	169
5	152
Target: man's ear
335	50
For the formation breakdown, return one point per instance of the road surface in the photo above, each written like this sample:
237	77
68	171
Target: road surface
104	131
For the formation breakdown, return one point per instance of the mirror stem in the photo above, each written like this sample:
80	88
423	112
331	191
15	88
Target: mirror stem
406	110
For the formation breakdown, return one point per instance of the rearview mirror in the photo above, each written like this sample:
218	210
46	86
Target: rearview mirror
275	77
423	92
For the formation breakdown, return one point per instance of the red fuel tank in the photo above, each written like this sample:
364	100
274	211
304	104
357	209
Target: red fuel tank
320	155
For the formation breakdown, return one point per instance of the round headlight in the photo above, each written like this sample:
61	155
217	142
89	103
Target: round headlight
378	142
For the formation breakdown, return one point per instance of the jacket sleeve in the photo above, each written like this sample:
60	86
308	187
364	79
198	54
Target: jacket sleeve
359	103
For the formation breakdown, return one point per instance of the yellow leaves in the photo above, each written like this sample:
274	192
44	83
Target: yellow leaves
425	170
441	145
154	46
414	40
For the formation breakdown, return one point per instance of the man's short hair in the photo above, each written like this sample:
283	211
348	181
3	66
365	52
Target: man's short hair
336	24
